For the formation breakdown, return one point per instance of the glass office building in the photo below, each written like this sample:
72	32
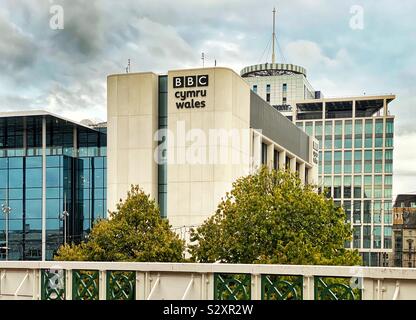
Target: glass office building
356	150
48	166
356	165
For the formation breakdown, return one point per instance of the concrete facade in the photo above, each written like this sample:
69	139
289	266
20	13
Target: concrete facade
132	111
199	165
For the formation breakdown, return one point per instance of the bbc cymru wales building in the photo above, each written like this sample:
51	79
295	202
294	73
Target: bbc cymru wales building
186	136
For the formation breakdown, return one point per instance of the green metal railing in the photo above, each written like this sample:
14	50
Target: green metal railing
276	287
121	285
232	287
328	288
53	284
85	285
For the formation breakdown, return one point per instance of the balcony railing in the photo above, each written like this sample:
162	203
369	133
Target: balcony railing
169	281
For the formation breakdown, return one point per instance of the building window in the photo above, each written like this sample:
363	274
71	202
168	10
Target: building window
328	135
309	128
347	187
357	237
268	93
377	238
284	87
255	88
357	186
367	237
284	101
377	212
358	156
264	153
368	187
387	237
337	187
276	160
368	161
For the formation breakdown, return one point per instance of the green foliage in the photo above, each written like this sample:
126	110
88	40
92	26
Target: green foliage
135	232
271	217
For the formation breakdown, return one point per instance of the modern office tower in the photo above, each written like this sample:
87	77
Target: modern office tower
356	149
404	232
212	129
356	152
52	183
356	165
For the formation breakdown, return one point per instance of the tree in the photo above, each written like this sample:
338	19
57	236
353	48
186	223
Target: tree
135	232
271	217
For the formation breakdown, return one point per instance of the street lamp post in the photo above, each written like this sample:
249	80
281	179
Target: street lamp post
6	210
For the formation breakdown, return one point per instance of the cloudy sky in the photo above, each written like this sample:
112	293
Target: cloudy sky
64	71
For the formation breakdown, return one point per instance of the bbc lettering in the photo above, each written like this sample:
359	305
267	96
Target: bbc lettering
190	81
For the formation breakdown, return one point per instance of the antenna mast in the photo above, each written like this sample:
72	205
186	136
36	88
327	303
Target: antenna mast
274	36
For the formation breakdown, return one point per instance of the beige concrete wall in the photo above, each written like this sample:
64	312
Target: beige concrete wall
194	191
132	113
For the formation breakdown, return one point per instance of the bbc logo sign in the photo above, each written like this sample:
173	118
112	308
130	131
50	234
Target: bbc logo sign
190	81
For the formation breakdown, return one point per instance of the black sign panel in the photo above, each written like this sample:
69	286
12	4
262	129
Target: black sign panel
190	81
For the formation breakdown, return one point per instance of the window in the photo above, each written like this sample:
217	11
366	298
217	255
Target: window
348	135
368	142
368	186
34	178
348	162
357	186
15	178
378	161
377	212
347	209
268	93
358	134
357	212
264	153
276	160
368	161
337	187
387	237
387	212
377	238
318	132
378	184
255	88
367	211
337	162
357	237
328	135
367	237
358	156
284	88
309	128
284	101
347	187
328	162
338	135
